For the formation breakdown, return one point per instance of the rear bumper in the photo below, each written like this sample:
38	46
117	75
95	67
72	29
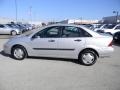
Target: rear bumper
106	52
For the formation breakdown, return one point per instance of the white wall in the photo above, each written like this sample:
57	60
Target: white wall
5	20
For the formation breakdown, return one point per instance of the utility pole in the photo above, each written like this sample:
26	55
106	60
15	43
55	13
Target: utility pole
116	12
81	20
30	13
16	11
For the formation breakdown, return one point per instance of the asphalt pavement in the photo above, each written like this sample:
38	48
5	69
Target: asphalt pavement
53	74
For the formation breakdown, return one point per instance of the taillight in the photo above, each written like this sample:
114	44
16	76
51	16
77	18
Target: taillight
110	44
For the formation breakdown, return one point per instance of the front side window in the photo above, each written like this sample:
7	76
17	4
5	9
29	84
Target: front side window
50	32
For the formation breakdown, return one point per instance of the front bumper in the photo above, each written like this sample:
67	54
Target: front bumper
7	49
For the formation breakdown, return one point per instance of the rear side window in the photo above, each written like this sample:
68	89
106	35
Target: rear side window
70	31
84	33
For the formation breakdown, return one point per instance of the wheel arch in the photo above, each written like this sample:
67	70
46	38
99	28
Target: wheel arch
89	49
16	45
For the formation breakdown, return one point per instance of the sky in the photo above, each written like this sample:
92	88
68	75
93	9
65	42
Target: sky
56	10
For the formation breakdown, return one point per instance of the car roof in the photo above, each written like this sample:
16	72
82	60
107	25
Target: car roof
80	26
93	33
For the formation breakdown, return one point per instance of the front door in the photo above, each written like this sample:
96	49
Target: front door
45	42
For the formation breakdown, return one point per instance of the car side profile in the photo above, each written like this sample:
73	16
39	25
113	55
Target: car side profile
110	29
7	29
61	41
100	27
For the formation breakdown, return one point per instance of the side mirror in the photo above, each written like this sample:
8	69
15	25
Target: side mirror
35	37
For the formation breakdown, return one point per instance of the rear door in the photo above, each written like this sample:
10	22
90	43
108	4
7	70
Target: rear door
71	42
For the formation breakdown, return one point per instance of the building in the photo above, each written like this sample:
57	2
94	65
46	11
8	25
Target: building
4	20
7	20
78	21
36	23
111	19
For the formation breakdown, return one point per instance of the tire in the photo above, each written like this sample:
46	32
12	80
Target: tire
19	53
87	57
115	38
13	33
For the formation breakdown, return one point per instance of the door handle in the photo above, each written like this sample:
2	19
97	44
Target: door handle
77	40
51	40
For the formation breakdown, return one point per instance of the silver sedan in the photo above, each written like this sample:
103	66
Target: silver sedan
61	41
6	29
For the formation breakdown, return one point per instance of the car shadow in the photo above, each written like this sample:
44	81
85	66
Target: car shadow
45	58
56	59
116	44
3	54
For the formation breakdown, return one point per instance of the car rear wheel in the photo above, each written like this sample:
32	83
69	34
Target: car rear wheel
88	57
116	37
19	52
13	33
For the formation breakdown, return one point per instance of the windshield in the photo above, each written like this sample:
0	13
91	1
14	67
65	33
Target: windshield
109	26
88	26
27	33
9	25
98	26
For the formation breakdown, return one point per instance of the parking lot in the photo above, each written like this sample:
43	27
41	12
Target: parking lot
58	74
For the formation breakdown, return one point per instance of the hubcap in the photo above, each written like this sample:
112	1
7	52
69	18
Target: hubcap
13	33
115	37
88	58
18	53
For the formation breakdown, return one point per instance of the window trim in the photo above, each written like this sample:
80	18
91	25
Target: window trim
80	34
43	31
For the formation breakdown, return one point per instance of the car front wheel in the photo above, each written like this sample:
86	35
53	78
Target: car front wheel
13	33
19	53
88	57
